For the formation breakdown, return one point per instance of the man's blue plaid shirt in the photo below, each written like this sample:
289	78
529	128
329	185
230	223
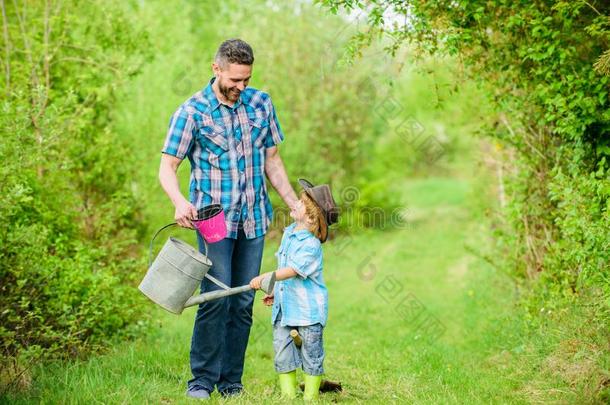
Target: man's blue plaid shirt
226	149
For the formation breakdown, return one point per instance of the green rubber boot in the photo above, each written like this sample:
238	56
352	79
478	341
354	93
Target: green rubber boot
312	387
288	384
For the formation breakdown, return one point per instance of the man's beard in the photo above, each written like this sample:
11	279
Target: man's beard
227	93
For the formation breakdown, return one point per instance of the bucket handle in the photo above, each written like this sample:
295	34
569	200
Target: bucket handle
150	248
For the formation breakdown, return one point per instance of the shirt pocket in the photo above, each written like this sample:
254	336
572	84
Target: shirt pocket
259	125
213	138
281	256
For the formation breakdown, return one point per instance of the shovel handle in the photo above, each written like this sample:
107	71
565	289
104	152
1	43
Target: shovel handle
294	334
150	247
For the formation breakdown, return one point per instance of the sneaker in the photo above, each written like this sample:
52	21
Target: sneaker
197	391
231	392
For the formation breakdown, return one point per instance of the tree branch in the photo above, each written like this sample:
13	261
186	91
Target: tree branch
46	37
7	49
88	62
591	7
42	103
26	43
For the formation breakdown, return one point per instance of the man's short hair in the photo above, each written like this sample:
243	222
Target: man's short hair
234	51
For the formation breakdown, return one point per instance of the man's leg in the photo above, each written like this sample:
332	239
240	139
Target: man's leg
207	343
247	256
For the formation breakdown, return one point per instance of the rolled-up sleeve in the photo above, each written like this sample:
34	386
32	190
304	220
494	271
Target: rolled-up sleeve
179	139
275	134
306	260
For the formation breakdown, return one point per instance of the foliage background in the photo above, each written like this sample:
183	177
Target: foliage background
89	91
70	221
542	64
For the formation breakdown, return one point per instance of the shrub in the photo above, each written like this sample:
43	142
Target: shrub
69	221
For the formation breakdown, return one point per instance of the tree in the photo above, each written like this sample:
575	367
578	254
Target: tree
545	64
69	219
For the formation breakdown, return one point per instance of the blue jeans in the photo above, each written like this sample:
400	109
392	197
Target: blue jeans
222	326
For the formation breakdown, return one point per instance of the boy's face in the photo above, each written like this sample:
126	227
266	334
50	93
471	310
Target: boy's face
298	212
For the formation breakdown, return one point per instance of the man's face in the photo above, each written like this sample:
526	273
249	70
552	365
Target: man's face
232	80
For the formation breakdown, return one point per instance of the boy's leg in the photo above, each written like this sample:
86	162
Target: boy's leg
287	359
207	343
288	384
312	387
312	352
246	264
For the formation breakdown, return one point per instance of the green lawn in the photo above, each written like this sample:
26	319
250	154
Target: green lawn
414	318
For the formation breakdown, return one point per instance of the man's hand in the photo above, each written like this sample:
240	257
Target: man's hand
169	181
185	212
268	299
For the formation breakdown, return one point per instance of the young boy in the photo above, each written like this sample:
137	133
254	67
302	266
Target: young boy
301	298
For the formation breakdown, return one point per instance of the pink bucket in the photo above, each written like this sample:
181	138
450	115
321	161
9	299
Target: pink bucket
210	223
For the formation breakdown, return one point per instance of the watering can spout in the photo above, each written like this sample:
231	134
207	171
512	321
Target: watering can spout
267	285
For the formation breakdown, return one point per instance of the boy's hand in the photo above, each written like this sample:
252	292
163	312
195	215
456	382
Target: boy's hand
255	283
268	299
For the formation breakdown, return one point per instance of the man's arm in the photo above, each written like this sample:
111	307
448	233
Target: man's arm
168	178
276	173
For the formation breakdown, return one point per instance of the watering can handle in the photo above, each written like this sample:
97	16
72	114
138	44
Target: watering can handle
150	248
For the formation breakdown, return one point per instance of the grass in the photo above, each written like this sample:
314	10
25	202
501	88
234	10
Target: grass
472	346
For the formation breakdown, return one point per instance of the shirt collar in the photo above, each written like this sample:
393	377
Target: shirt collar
209	94
300	234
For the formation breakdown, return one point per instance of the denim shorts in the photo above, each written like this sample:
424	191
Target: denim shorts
288	357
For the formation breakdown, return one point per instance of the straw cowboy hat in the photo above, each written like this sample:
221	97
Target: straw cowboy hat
324	199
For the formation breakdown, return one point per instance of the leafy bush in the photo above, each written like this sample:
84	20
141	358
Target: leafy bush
69	221
543	63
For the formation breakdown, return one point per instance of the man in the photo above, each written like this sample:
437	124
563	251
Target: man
229	132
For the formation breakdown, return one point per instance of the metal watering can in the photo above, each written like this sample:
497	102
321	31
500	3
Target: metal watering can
178	270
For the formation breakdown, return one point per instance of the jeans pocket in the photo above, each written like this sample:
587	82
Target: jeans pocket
312	338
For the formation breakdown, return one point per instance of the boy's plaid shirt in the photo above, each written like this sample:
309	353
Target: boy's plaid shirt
226	149
302	300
